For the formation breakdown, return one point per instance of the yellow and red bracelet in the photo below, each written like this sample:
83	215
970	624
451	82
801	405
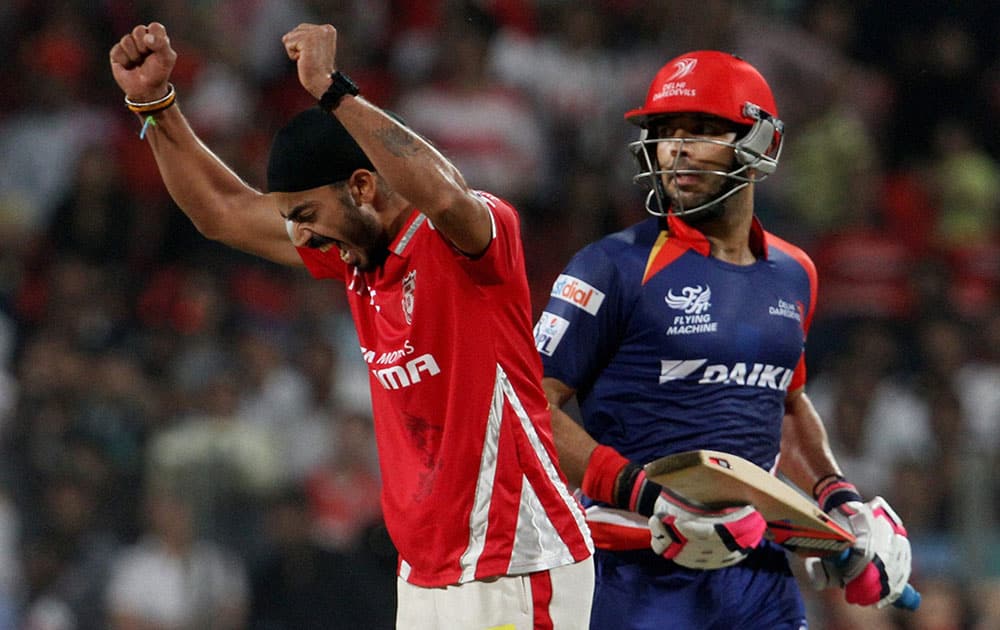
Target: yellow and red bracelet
150	108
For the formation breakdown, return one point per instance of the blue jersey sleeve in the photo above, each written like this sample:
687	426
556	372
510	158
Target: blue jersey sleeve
582	324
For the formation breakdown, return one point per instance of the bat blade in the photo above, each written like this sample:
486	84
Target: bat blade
716	479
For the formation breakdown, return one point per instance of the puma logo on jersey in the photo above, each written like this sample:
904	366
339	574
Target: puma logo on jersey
753	375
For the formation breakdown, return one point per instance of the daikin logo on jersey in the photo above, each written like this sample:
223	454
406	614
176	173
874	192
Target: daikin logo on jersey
578	293
748	374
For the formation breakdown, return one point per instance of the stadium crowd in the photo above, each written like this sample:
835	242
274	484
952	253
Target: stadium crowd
185	437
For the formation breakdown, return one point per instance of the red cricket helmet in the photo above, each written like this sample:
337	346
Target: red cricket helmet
718	84
706	82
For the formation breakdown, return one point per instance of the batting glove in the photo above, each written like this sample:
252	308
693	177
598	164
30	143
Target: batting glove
702	539
877	567
689	534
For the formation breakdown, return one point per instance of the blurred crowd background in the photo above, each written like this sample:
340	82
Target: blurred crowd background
185	431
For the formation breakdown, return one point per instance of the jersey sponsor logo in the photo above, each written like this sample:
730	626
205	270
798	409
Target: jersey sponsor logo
756	375
549	332
391	356
407	374
762	375
675	370
791	310
692	325
694	302
409	286
578	293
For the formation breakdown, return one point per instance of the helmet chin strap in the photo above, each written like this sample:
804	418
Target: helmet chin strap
757	151
710	209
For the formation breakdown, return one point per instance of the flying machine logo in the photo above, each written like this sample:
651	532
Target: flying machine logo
694	302
409	286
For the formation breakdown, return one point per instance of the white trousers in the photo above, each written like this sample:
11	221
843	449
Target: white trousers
558	599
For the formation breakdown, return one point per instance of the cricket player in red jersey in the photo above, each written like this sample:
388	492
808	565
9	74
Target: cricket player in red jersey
487	533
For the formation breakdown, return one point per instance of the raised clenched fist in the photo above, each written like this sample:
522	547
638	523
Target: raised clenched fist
313	48
142	61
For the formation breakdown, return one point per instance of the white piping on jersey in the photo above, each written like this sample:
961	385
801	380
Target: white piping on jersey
531	514
410	231
557	547
490	205
534	535
480	515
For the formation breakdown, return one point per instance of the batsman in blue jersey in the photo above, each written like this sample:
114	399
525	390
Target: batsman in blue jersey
687	331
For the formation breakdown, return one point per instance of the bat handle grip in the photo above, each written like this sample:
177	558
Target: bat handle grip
909	599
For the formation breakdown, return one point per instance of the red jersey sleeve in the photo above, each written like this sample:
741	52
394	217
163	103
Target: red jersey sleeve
323	264
504	254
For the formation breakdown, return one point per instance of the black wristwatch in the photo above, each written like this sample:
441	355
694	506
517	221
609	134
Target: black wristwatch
341	86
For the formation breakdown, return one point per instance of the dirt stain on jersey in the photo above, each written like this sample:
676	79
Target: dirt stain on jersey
426	439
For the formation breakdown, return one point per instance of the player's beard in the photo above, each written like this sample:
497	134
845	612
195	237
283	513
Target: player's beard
721	186
369	240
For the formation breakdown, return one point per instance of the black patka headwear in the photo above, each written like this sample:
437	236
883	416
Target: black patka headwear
313	150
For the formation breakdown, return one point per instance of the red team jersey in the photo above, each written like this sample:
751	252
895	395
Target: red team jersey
471	486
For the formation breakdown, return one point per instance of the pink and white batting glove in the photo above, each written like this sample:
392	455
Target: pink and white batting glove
877	568
689	534
703	539
686	533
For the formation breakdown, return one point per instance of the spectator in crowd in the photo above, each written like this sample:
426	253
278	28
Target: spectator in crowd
173	578
343	490
301	583
489	129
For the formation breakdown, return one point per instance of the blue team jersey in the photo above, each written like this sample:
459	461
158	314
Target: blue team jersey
670	349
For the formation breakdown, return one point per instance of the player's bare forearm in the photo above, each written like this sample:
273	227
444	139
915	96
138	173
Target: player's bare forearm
573	444
220	204
806	456
420	173
410	165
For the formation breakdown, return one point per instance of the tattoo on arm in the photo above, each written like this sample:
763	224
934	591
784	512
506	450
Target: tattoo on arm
399	142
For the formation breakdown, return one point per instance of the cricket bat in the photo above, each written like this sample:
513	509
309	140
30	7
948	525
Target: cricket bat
717	480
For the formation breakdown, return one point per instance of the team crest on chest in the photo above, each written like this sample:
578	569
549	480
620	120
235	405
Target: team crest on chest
693	304
409	286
